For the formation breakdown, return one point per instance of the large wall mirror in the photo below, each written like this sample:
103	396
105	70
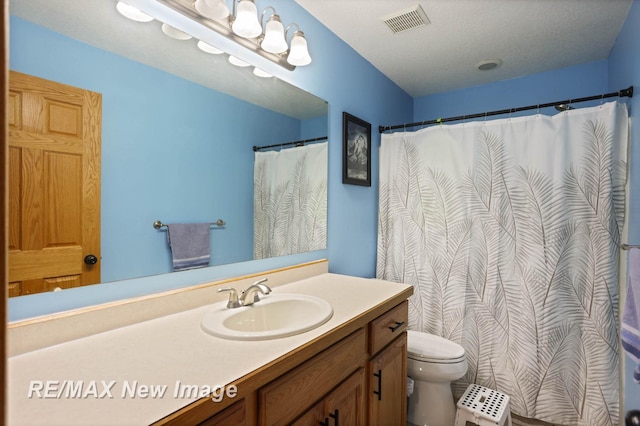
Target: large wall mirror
178	126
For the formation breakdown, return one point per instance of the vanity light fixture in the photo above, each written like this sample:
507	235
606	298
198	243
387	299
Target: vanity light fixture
175	33
245	19
213	9
274	36
260	73
132	13
268	39
238	62
206	47
298	54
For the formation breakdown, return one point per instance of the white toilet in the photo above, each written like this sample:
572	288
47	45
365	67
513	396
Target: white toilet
433	363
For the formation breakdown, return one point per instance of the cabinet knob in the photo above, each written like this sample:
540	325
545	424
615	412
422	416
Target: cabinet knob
90	259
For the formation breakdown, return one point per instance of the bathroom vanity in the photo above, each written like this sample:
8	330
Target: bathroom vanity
349	370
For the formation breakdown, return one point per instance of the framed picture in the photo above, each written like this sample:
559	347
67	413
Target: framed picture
356	151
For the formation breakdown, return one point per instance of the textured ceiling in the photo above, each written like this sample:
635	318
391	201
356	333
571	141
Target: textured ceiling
529	36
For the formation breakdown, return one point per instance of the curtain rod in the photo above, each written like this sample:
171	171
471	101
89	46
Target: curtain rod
628	92
296	143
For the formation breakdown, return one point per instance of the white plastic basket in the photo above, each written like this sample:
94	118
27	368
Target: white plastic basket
484	407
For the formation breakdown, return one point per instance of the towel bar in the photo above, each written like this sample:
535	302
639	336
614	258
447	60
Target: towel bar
628	246
219	223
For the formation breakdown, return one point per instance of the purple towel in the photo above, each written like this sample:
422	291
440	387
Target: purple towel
631	313
190	245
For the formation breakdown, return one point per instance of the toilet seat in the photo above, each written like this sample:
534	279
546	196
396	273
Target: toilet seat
431	348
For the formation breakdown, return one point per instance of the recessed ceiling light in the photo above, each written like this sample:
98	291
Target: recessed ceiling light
490	64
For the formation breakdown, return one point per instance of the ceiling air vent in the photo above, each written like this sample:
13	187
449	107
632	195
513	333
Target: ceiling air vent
406	19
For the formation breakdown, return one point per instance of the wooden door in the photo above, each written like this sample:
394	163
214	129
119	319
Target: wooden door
388	385
54	185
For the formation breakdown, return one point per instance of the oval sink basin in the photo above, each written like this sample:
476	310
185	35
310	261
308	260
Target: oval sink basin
276	315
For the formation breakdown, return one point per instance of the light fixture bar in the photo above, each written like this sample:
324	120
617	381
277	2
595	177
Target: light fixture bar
185	7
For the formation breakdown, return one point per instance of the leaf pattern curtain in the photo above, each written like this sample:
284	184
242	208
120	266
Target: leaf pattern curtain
290	200
509	232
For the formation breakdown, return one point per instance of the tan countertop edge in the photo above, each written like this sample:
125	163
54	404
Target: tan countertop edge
174	348
44	331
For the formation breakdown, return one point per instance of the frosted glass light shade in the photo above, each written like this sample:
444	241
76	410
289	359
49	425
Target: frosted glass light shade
214	9
260	73
206	47
174	32
132	13
246	23
274	41
238	62
299	54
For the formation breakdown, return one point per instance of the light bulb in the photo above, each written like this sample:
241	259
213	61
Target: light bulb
238	62
132	12
246	23
174	32
274	41
260	73
206	47
214	9
299	54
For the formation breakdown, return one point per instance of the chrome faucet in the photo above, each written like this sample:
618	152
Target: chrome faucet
250	295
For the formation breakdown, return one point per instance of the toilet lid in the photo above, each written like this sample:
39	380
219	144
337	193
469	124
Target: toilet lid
429	347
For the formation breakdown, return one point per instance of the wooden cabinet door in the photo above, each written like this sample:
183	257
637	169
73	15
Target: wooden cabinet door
54	184
387	390
230	416
344	406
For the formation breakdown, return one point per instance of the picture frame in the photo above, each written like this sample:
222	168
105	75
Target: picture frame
356	151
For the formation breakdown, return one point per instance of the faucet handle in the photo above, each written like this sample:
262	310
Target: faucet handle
263	280
233	297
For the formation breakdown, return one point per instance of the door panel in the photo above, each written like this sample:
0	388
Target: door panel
54	184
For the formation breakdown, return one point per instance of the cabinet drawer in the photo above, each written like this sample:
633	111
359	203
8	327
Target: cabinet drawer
388	326
284	399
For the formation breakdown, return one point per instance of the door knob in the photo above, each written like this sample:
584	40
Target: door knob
90	259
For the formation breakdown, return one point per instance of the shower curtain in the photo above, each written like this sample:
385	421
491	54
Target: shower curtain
509	232
290	200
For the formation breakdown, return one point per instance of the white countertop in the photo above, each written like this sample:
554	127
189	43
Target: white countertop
160	353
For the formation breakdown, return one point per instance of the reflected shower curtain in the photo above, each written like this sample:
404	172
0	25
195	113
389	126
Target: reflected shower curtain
509	232
290	200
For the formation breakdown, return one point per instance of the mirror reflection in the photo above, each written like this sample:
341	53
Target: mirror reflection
178	127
